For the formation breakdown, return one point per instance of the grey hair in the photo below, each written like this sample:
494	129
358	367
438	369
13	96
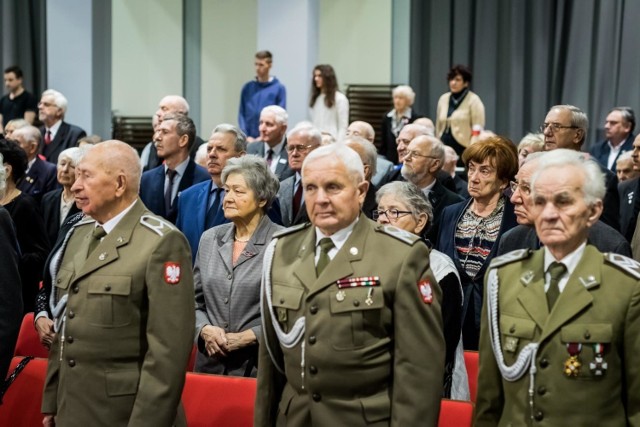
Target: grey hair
437	148
368	149
533	157
345	155
409	194
307	129
593	187
3	176
31	134
184	126
450	153
368	132
627	155
240	143
74	154
535	140
257	175
59	99
279	113
627	115
406	91
579	118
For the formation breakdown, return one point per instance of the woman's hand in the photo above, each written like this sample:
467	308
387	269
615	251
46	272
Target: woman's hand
215	340
236	341
44	327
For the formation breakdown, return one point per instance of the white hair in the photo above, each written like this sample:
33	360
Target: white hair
405	91
279	113
59	99
340	152
368	150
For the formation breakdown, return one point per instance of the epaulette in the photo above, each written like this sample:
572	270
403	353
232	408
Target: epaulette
156	224
84	221
403	236
510	257
629	265
291	230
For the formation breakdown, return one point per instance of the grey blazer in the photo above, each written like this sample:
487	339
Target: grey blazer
285	197
228	296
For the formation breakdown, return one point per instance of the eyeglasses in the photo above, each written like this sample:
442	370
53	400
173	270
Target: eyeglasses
555	127
391	214
409	154
299	148
524	188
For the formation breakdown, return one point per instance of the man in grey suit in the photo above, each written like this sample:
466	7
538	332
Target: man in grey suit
272	145
384	167
302	139
523	236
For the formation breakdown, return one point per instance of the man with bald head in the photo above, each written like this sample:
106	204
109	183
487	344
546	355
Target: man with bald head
40	177
384	167
122	304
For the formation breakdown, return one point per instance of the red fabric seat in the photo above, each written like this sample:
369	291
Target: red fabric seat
28	343
22	401
192	359
471	363
455	413
216	400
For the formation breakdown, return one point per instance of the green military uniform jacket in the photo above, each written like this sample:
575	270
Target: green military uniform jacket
129	325
599	305
376	363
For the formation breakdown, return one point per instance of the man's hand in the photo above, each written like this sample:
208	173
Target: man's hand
215	340
44	327
236	341
49	420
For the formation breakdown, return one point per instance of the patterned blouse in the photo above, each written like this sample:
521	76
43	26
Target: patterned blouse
475	236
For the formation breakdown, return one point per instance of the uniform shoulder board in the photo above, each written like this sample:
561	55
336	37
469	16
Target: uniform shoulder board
510	257
404	236
156	224
629	265
291	230
79	221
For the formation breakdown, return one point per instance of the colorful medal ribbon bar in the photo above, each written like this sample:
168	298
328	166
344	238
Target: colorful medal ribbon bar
353	282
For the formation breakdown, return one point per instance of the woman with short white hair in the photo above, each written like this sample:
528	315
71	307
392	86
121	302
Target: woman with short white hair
392	123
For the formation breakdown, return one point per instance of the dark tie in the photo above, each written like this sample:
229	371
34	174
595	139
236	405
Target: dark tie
297	201
556	271
215	214
171	174
47	137
326	244
97	234
269	156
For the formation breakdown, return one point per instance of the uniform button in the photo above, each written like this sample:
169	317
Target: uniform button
587	335
59	281
512	329
312	339
70	339
313	309
75	289
107	288
71	314
544	363
316	397
539	416
72	363
356	303
229	276
226	325
281	300
226	300
313	369
542	390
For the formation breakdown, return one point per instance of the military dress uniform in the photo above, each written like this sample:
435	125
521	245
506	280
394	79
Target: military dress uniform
119	357
371	352
586	352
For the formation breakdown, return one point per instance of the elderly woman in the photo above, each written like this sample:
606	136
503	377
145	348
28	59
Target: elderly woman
59	205
25	212
328	107
394	120
460	112
228	270
530	143
14	125
403	205
470	230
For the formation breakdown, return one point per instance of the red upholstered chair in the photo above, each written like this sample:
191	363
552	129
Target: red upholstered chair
216	400
22	401
455	413
192	359
471	363
28	343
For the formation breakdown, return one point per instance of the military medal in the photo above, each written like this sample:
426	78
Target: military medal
369	300
354	282
340	296
598	366
572	364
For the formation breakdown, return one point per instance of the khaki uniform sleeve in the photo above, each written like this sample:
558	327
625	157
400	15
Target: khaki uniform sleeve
50	395
632	359
419	345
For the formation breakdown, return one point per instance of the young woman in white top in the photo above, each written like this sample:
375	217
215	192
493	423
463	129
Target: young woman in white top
329	108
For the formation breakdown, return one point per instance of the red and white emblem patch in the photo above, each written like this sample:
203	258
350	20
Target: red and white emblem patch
172	273
424	286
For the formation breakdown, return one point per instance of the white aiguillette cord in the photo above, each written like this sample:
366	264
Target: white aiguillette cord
288	340
526	357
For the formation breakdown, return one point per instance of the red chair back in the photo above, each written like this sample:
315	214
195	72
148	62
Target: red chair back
192	359
216	400
455	413
28	343
22	401
471	363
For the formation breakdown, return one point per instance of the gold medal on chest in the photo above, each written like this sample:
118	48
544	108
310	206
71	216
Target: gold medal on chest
572	365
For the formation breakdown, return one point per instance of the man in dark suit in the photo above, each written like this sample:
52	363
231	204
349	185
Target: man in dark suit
423	159
523	236
407	134
57	134
565	126
40	177
384	167
272	145
618	128
301	141
630	196
160	186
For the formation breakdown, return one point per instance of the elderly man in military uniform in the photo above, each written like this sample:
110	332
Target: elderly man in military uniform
122	303
559	339
351	313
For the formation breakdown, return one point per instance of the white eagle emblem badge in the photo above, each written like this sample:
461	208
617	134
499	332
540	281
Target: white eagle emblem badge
424	286
172	273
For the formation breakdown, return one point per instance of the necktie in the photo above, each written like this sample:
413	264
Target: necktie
47	137
326	244
168	199
269	156
215	214
297	201
556	271
97	234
